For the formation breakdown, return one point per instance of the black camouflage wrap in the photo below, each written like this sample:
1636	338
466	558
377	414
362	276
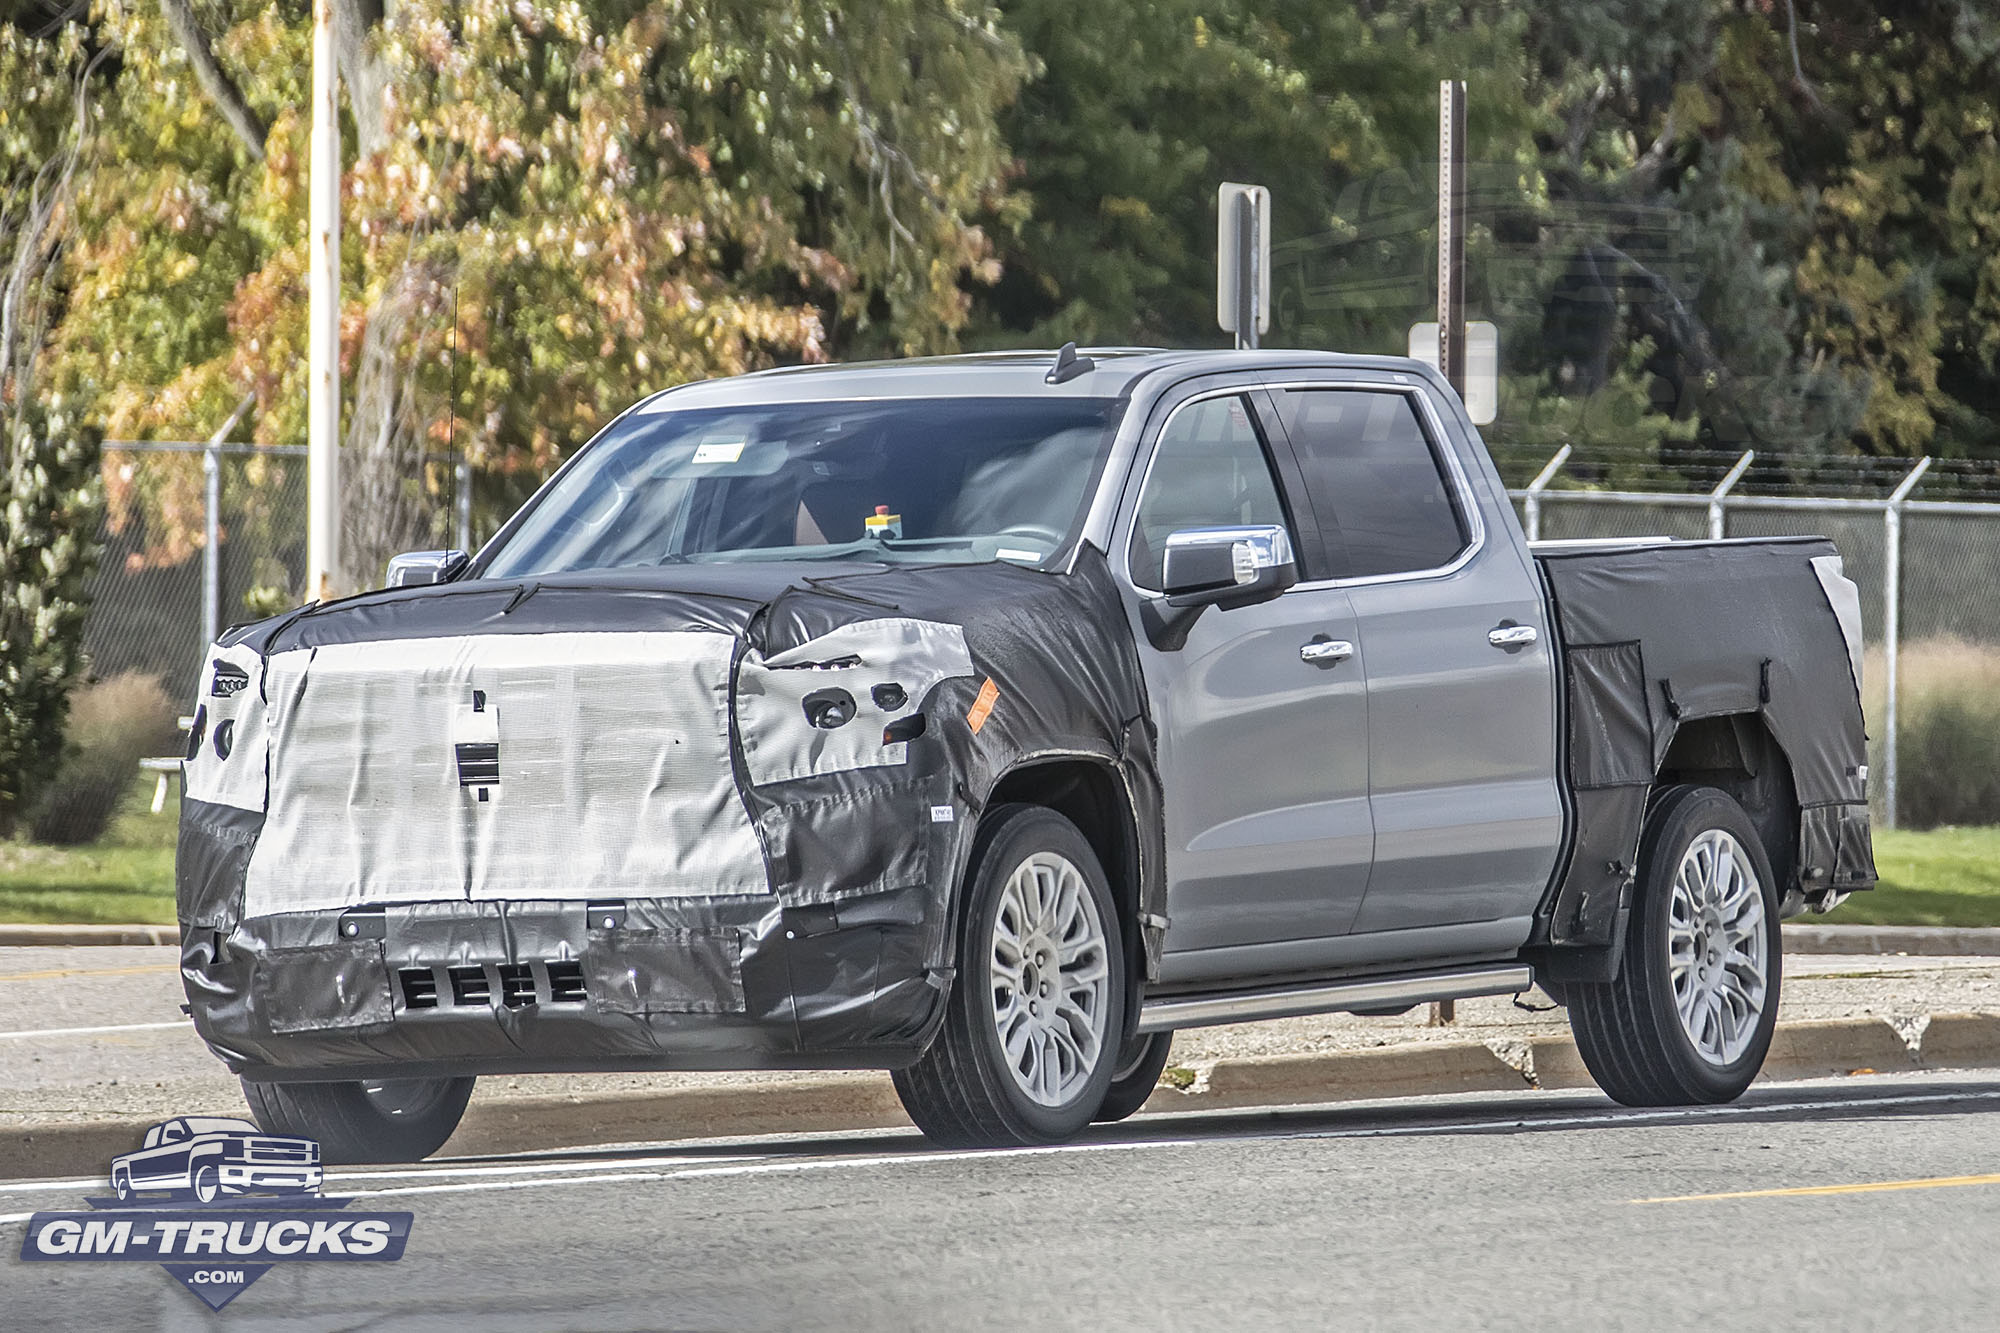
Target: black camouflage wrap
1657	637
844	961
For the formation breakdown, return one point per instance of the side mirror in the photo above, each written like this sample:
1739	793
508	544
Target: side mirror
1228	567
415	568
1223	567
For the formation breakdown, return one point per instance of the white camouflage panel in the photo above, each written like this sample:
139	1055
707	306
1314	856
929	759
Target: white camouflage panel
908	657
563	766
226	766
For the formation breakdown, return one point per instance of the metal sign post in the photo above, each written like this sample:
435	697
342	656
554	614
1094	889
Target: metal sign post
323	318
1243	261
1451	233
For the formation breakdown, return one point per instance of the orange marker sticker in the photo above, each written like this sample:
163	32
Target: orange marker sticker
989	694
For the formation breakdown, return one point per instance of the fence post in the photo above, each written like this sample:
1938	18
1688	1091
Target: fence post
462	477
1531	503
1717	527
211	550
1892	627
211	525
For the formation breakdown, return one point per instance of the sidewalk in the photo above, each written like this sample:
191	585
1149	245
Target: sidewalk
119	1055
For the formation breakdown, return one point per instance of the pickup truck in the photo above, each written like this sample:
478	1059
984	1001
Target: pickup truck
207	1157
986	719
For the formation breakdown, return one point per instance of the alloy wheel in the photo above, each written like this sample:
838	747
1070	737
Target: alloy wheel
1718	944
1051	978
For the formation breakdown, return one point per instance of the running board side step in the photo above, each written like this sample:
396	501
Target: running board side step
1325	998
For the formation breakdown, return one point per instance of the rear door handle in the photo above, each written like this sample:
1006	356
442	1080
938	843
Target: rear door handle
1326	652
1513	636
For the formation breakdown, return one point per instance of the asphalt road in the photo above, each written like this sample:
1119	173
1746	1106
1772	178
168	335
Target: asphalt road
1495	1211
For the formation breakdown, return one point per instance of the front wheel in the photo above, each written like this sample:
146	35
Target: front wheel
1032	1029
1689	1018
376	1120
207	1184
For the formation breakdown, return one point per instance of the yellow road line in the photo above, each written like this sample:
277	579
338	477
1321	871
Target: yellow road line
1874	1187
56	973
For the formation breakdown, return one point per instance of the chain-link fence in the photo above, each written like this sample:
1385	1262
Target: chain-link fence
198	537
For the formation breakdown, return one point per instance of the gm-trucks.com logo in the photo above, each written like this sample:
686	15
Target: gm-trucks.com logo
242	1200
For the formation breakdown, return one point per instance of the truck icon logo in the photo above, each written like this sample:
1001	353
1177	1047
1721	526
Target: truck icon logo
180	1202
206	1158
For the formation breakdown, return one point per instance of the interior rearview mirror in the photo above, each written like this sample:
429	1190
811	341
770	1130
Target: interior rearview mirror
414	568
1222	567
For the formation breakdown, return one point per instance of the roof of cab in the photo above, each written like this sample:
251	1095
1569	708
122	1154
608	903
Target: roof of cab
999	374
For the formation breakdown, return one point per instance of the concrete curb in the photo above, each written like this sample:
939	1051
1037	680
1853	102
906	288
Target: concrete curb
14	937
1940	941
1820	1048
1982	941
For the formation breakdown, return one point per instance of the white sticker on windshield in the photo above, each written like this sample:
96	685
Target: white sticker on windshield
722	452
1015	553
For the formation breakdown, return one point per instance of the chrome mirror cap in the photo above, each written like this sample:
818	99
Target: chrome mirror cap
415	568
1225	564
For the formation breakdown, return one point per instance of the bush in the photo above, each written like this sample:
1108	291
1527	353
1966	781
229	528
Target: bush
1948	732
113	724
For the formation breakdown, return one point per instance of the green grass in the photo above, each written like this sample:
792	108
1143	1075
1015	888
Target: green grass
1940	877
126	876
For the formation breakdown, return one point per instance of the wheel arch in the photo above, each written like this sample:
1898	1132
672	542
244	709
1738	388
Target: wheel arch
1738	754
1090	792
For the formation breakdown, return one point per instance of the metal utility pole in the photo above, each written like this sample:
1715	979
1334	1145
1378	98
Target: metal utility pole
323	320
1451	232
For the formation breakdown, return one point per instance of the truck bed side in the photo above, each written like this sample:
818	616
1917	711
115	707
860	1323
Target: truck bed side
1727	661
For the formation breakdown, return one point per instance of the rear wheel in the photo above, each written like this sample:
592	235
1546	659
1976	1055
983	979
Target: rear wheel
1138	1073
1689	1018
374	1120
1033	1025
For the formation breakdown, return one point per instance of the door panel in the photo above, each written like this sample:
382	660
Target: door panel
1264	761
1461	732
1263	754
1461	750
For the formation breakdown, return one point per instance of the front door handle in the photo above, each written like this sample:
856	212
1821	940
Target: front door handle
1326	652
1513	636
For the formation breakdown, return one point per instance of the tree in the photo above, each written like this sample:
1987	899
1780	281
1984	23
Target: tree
613	196
48	457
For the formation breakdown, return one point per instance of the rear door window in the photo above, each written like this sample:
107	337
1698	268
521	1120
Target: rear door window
1378	487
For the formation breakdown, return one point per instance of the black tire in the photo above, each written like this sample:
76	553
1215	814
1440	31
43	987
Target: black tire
399	1120
962	1092
1629	1030
207	1183
1138	1073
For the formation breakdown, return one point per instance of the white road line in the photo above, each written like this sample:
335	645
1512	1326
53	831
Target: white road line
94	1032
51	1186
484	1186
537	1168
606	1173
1631	1117
442	1170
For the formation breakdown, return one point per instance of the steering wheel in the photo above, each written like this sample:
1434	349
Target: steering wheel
1039	531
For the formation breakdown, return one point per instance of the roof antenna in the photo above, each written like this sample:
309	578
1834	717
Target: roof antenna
1068	365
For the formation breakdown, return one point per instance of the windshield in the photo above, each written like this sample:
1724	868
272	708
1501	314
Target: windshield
920	480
